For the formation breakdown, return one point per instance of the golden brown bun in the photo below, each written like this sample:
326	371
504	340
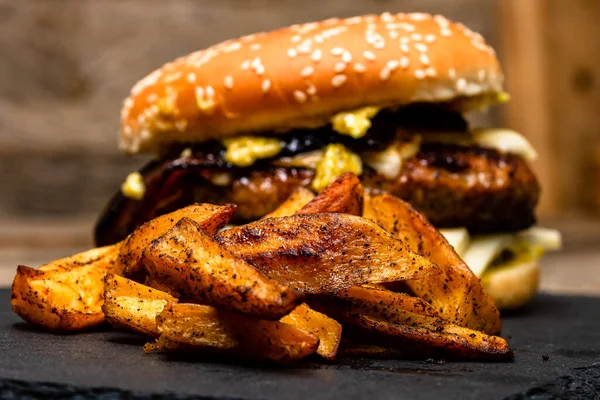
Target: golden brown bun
514	286
301	75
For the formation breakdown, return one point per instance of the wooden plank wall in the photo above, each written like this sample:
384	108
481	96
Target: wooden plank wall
66	65
551	52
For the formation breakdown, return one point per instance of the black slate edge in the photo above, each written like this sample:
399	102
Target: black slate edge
583	383
27	390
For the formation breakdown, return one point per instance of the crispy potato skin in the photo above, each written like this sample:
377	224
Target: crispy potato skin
210	219
388	320
457	294
200	270
298	199
344	195
328	330
65	295
132	306
324	253
206	329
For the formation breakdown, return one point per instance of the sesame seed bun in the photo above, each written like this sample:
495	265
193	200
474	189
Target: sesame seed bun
301	75
514	286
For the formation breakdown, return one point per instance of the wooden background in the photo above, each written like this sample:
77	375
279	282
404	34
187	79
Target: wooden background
66	65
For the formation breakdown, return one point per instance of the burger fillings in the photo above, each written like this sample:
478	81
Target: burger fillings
383	96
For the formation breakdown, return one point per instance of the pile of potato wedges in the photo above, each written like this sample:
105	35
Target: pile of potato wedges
338	273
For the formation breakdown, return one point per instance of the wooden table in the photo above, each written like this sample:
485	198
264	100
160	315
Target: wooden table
574	270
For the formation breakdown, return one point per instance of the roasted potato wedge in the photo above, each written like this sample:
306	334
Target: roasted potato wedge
201	270
324	253
370	299
65	295
344	195
298	199
210	219
383	320
132	306
457	294
328	330
204	328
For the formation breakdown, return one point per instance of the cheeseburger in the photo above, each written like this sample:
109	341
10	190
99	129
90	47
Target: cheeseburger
384	96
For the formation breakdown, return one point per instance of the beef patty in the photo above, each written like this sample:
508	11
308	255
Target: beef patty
481	189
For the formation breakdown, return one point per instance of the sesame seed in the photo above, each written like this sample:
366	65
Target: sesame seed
452	73
181	125
416	36
418	16
420	74
353	20
255	46
421	47
316	55
128	103
431	72
191	77
404	62
404	47
299	96
481	74
394	34
407	27
311	89
360	68
331	21
387	17
199	91
339	66
292	53
246	65
430	38
337	51
370	18
296	38
405	40
461	84
259	69
151	98
127	130
384	74
338	80
424	59
173	77
265	86
319	39
393	64
445	32
380	44
346	57
210	92
307	71
228	82
441	20
369	55
304	47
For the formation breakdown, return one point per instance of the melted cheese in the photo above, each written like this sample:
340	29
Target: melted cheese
336	160
133	186
354	123
245	150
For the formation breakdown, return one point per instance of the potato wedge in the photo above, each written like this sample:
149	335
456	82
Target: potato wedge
457	294
344	195
206	329
324	253
210	219
385	302
65	295
399	324
328	330
132	306
201	270
298	199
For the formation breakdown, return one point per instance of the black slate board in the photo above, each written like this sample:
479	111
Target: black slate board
112	365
